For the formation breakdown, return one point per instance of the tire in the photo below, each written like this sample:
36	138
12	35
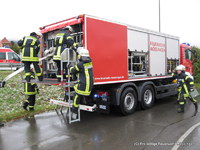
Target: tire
147	97
128	101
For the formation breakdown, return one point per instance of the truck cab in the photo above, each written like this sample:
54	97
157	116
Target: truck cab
187	57
9	60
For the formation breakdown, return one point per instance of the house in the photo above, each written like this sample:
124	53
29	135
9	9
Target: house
5	43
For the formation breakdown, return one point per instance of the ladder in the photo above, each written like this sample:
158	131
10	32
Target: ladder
69	56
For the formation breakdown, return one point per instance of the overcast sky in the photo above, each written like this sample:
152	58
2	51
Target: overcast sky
178	17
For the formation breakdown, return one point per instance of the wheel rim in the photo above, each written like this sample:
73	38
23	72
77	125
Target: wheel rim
148	96
129	101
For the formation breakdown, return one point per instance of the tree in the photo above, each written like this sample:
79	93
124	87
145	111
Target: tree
197	65
15	47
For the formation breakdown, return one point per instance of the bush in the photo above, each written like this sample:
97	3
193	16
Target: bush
197	65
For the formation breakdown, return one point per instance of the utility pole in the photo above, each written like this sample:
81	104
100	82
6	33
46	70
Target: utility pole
159	18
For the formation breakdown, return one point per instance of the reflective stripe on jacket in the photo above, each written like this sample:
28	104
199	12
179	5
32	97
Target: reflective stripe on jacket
184	83
62	40
30	48
84	71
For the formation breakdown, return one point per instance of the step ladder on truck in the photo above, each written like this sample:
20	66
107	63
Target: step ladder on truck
68	56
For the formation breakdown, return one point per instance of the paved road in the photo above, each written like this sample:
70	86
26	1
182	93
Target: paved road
153	129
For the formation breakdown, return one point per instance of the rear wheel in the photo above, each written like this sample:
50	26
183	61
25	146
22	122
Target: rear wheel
147	97
128	101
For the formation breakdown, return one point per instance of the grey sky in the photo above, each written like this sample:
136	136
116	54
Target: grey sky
178	17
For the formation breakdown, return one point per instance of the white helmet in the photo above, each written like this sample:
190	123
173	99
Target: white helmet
39	34
69	28
183	67
83	52
179	67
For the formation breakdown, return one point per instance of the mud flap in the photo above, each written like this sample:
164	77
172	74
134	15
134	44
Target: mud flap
103	104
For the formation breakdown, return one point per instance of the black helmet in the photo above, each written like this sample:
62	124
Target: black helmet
33	34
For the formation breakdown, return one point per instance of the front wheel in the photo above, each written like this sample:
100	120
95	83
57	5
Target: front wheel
128	101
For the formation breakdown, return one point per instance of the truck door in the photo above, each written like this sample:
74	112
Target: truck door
190	57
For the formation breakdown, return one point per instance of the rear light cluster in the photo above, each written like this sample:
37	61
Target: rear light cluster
101	95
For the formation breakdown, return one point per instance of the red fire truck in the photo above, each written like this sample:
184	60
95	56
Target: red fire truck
132	65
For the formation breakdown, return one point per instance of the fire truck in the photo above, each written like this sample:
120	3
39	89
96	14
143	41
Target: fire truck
132	65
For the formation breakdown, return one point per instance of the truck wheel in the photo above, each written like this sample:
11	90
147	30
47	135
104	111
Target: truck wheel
147	97
128	101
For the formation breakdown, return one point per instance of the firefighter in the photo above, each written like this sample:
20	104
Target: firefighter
30	90
30	46
84	72
185	86
63	40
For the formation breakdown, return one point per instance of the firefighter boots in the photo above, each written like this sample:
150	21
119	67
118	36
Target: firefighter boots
74	113
25	105
180	109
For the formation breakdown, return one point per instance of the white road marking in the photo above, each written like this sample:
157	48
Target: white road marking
182	138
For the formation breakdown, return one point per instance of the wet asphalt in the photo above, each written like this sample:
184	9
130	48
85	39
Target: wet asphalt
153	129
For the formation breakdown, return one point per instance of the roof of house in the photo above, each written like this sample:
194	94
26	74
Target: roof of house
4	40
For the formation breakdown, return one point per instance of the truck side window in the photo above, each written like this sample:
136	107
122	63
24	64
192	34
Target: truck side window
188	54
2	55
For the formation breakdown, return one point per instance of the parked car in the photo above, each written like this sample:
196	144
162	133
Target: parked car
9	60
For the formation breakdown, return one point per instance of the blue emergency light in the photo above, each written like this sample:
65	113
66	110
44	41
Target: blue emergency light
188	44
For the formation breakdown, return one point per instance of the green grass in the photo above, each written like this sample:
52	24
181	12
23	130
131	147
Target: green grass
12	98
197	85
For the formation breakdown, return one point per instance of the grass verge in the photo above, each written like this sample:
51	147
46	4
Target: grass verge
197	85
12	98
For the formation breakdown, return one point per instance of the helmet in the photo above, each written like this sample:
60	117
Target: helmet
39	34
69	28
35	33
179	68
83	52
183	67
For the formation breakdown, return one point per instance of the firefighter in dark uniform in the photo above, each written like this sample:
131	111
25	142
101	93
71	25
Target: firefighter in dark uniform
30	90
185	86
84	72
63	40
30	46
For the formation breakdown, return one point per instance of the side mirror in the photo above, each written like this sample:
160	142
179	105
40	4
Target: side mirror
195	55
